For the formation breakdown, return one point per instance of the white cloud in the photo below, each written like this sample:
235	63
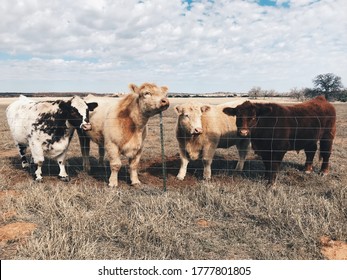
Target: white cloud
222	45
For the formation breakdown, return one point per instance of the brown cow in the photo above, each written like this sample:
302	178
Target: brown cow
120	127
276	129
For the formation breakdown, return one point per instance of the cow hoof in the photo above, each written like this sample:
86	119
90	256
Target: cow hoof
271	186
110	185
274	190
39	180
64	178
323	174
181	178
308	171
25	165
136	185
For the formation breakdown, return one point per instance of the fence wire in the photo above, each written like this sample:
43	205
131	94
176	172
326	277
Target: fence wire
160	157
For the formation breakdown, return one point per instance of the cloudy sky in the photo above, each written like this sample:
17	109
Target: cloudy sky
190	46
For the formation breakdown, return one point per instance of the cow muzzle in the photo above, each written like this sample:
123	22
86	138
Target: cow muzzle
197	131
244	132
86	126
164	104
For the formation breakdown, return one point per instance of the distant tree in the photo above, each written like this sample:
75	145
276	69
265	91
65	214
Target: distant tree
270	93
254	92
328	84
342	95
311	93
298	94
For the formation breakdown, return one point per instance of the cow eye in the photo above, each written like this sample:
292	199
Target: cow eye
186	116
147	93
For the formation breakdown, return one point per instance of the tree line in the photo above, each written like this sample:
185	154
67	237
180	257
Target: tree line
329	85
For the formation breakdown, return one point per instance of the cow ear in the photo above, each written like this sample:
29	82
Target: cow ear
65	105
164	89
205	108
263	110
178	109
229	111
134	88
92	106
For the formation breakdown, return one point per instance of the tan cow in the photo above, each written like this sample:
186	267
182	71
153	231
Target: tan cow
203	128
120	127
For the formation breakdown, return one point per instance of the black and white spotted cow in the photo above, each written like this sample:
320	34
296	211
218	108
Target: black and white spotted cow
47	128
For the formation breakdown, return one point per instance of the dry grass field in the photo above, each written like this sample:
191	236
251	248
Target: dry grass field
194	219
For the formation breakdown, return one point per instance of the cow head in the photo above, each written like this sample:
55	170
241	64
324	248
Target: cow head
152	99
189	118
247	115
77	111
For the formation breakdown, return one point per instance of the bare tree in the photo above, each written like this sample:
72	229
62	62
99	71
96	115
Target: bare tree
270	93
298	94
254	92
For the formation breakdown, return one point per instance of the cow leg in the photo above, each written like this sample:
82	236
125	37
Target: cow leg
207	157
22	150
85	148
310	151
267	164
207	168
38	172
61	162
243	148
101	154
133	164
184	164
115	163
38	157
325	152
272	162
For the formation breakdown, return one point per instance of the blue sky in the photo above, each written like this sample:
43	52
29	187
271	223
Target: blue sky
261	2
190	46
270	3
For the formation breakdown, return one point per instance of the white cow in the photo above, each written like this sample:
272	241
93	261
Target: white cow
120	127
47	128
203	128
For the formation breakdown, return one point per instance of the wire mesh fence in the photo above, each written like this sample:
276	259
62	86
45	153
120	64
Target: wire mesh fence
160	161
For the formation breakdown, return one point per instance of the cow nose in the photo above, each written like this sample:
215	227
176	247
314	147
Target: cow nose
243	132
86	126
197	131
164	102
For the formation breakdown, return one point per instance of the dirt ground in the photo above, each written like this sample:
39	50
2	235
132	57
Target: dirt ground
333	249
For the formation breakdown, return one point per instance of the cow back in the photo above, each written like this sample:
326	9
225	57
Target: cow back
291	127
220	127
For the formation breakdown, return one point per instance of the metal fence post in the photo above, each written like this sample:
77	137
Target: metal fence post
162	151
